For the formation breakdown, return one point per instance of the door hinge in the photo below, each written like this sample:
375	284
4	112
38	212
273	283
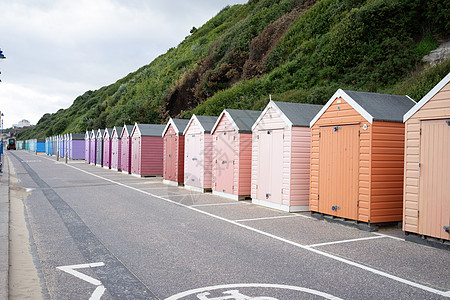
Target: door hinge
359	133
357	203
420	131
317	196
420	165
319	134
417	213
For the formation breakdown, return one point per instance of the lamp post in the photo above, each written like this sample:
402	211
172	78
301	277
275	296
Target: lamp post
1	115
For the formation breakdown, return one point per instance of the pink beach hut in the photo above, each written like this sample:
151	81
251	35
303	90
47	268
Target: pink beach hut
232	153
87	146
281	156
107	134
116	148
198	153
426	197
93	150
173	168
147	150
125	143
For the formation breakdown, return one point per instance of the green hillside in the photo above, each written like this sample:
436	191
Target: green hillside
294	50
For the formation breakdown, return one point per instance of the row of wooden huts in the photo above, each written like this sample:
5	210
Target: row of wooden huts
368	157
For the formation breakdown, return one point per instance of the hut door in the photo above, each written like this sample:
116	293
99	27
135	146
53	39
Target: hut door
224	160
338	171
193	161
169	160
434	180
270	168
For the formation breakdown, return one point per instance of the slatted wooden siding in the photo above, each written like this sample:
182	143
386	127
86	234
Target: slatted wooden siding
378	181
173	156
197	157
426	188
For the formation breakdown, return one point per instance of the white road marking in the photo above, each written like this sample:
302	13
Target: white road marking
216	204
267	218
331	256
389	236
71	270
201	291
346	241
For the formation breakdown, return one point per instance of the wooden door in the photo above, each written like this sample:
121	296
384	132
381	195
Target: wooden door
224	160
193	161
170	142
434	179
338	170
270	166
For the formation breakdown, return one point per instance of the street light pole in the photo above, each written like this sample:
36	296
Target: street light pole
1	115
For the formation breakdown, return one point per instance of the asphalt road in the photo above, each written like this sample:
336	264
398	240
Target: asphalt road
106	235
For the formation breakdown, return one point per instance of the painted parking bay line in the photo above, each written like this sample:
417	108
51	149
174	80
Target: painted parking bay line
347	241
312	249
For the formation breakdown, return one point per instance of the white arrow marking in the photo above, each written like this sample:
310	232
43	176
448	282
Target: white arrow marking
71	270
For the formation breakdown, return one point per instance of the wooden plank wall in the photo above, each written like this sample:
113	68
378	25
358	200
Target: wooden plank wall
438	107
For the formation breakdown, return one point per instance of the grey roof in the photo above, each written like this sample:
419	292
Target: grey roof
110	130
181	124
119	130
244	119
129	128
77	136
300	114
207	122
102	131
383	107
151	129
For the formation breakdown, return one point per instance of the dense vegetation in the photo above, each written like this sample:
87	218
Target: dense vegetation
295	50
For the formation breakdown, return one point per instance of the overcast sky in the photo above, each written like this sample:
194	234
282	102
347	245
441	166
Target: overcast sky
58	49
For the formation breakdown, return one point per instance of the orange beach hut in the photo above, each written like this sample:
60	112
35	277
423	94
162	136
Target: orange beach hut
357	148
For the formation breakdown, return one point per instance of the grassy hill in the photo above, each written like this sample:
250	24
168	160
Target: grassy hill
295	50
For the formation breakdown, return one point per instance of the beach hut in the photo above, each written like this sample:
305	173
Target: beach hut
61	145
76	145
47	147
54	145
281	147
107	134
147	150
87	146
173	158
426	209
125	142
357	159
99	150
66	145
116	148
93	148
198	153
40	145
232	153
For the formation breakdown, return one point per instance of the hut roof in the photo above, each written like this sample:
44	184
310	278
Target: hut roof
372	106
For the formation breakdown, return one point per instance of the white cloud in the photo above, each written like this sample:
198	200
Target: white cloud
58	49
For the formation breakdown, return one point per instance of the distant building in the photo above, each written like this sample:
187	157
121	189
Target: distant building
22	124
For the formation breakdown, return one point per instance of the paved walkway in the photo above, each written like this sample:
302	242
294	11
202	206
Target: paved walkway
4	229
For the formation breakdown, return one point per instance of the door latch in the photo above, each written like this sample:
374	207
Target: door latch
268	195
